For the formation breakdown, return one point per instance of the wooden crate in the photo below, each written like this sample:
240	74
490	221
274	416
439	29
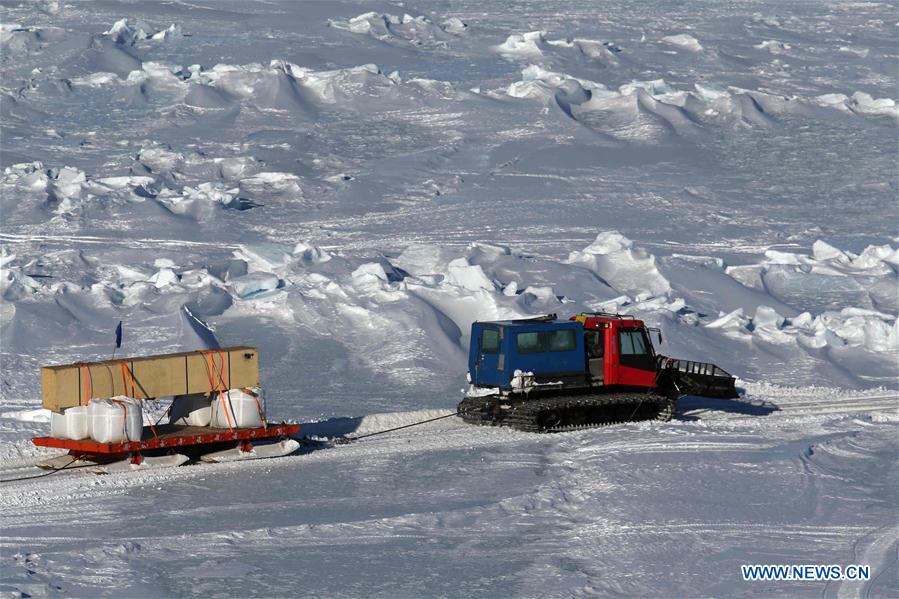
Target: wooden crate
149	377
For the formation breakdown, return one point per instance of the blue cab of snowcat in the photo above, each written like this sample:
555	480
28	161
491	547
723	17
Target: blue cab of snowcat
551	349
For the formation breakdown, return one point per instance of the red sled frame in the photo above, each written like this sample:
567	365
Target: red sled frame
169	436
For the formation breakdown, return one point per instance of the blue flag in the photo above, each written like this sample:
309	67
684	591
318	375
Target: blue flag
118	335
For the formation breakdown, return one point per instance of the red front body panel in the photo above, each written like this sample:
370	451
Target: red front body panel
635	377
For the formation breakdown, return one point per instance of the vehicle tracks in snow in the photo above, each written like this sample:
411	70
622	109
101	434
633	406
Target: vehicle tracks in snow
876	549
67	241
453	434
804	406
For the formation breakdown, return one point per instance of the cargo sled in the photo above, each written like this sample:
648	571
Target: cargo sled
217	415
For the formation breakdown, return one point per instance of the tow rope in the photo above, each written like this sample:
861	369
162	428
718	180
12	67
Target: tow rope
53	471
348	440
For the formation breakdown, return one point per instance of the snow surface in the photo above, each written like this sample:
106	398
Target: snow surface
347	186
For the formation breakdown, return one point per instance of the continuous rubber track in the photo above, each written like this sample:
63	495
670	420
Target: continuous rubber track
565	413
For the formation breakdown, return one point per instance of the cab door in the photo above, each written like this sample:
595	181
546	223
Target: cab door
636	362
488	360
594	345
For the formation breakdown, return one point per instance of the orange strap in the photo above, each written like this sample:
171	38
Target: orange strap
215	383
258	409
124	417
87	386
221	383
127	372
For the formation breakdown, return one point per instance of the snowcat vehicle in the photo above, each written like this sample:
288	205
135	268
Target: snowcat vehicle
549	375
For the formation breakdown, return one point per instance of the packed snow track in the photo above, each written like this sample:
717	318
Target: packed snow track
447	489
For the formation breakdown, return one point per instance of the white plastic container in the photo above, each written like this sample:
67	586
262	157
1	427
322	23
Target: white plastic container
243	410
115	420
72	424
191	410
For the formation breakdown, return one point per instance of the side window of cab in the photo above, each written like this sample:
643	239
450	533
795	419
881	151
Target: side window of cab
635	350
489	341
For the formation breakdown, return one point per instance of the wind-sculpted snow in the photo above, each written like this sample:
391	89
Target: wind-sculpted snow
868	278
348	187
434	294
860	103
523	45
130	32
536	46
649	111
277	86
17	40
684	41
625	268
416	31
312	141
